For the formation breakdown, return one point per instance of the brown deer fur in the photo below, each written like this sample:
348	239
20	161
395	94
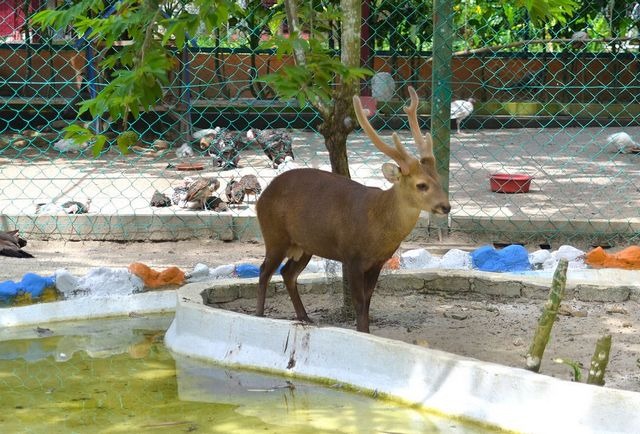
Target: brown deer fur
307	212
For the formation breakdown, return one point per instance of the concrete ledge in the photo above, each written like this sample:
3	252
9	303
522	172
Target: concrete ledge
586	285
88	307
170	224
159	226
543	227
509	398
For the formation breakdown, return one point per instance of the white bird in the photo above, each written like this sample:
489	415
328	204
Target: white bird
206	132
461	109
184	151
69	145
286	165
624	143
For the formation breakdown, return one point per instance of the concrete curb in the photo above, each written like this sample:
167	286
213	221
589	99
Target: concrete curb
88	308
168	224
509	398
585	285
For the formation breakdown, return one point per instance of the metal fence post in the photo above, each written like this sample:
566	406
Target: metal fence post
441	93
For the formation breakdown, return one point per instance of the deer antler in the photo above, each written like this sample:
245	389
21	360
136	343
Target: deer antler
399	154
423	143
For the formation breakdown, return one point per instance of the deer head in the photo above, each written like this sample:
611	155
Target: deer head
415	179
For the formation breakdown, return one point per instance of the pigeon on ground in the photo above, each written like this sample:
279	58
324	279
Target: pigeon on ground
11	245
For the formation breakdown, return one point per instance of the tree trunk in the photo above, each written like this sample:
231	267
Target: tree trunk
338	119
335	129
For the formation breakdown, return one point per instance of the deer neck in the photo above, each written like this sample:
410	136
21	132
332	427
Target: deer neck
396	213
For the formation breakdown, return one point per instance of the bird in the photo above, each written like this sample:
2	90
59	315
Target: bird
234	192
206	132
624	143
250	185
461	109
287	164
75	207
184	151
11	245
199	190
579	39
276	144
180	192
225	149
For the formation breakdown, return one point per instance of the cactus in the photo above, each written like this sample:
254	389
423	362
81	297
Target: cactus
599	361
548	317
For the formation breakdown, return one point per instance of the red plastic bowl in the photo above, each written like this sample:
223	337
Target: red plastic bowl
510	183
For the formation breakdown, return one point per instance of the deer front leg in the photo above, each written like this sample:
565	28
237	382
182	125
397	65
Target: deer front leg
370	281
355	275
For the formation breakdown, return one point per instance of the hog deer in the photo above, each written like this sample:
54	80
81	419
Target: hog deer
305	212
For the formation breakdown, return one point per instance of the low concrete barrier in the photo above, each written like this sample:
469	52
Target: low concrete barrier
509	398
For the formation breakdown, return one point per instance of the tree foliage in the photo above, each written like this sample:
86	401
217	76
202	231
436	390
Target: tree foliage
157	30
154	30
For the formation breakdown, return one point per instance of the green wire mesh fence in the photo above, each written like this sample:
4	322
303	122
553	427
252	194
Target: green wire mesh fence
558	104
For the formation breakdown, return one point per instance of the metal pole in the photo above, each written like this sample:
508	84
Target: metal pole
441	93
366	50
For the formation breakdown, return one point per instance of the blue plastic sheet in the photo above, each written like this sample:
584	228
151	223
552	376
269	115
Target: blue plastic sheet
511	258
31	283
250	270
247	270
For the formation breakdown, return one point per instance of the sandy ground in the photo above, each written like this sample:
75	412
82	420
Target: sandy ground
490	329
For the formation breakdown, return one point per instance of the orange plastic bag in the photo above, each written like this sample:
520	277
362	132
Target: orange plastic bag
392	264
628	258
156	279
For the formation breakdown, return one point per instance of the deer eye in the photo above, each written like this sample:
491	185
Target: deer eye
422	186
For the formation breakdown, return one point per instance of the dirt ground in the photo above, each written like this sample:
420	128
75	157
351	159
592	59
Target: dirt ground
489	329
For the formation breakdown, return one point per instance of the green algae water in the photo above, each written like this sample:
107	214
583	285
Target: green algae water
115	376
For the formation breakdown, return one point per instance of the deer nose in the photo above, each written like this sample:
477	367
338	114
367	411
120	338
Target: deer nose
442	208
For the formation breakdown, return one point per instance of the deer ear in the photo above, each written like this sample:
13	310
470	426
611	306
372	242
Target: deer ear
391	172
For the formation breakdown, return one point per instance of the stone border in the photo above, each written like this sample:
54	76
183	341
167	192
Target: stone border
509	398
589	285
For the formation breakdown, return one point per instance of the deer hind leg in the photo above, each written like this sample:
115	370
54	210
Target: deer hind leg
290	273
271	263
370	281
355	277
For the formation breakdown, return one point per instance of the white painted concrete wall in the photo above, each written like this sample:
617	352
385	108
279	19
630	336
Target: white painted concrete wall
88	307
510	398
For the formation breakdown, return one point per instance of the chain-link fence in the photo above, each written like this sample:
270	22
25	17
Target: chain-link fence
558	103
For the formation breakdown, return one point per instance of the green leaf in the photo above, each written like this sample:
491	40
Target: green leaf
549	11
98	146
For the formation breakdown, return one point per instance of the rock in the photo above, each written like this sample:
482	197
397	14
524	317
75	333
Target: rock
617	309
214	203
200	273
539	257
459	315
104	281
418	259
65	281
456	259
160	200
